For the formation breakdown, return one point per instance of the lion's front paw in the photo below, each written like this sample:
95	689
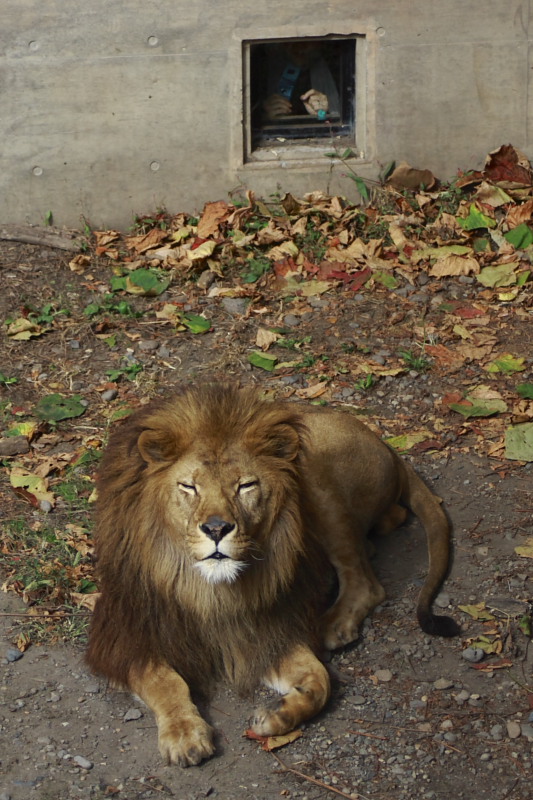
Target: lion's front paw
273	719
185	742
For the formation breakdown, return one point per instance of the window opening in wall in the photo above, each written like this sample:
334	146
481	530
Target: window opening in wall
299	91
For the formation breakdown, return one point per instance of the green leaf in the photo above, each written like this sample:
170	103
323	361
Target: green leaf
145	282
91	309
118	284
361	187
406	441
195	323
520	237
525	390
55	407
500	275
386	279
481	245
506	364
475	410
519	442
476	219
262	360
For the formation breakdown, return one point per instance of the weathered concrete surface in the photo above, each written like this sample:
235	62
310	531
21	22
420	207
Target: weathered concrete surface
108	109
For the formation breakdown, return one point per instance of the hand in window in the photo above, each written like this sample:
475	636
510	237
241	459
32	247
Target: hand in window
314	102
277	106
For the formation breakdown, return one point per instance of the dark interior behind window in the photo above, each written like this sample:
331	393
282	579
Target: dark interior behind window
279	70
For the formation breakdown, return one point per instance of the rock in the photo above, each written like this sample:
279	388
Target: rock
442	600
46	506
235	305
356	699
148	345
291	320
473	654
82	762
14	446
132	713
513	729
527	731
109	395
383	675
206	279
13	654
443	683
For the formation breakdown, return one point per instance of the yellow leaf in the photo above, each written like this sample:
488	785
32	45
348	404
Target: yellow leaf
265	338
33	484
526	551
23	329
477	611
203	250
454	265
312	288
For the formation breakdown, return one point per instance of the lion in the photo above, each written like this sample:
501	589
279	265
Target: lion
217	513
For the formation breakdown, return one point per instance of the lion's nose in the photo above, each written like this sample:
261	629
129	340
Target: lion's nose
216	528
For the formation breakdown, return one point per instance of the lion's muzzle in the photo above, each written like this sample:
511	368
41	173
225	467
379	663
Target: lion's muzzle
216	528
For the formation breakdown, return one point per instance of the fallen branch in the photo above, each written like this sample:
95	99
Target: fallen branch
48	237
316	781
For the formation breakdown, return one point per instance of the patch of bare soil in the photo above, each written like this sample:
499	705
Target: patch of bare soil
410	715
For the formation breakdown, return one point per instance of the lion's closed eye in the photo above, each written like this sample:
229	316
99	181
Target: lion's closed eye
188	488
247	486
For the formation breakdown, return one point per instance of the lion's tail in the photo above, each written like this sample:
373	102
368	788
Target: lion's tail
426	506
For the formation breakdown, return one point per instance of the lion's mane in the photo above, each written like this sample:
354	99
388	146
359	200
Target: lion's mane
154	605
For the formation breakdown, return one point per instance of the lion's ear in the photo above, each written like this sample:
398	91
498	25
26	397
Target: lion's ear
156	446
284	441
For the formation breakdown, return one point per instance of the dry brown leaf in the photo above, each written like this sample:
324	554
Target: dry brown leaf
264	338
407	177
454	265
212	215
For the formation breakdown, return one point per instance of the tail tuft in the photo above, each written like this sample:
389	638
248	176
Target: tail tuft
437	625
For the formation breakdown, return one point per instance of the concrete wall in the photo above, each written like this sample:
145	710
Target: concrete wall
107	108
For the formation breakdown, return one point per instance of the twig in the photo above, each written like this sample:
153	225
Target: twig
370	735
30	234
315	780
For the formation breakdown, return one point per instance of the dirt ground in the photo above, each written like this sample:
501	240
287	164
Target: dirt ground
410	715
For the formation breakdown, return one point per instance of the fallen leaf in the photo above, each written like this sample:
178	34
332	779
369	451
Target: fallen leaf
269	743
498	275
263	360
519	442
264	338
507	364
23	329
212	216
34	485
407	177
526	550
406	441
477	611
454	265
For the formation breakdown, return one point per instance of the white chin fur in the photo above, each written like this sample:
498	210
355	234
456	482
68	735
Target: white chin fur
220	571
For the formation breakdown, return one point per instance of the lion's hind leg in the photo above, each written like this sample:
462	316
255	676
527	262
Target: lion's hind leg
359	589
303	682
184	737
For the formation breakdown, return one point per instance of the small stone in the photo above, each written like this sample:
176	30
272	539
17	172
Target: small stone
148	345
5	796
513	729
443	683
442	600
383	675
527	731
206	279
82	762
291	320
13	654
14	445
92	688
462	697
356	699
46	506
132	713
473	654
109	395
163	351
55	697
74	344
235	305
486	756
497	732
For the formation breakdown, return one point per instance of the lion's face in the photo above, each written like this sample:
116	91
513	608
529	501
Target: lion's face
225	497
221	502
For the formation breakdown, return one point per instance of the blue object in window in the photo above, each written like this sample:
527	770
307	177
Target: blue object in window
287	82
